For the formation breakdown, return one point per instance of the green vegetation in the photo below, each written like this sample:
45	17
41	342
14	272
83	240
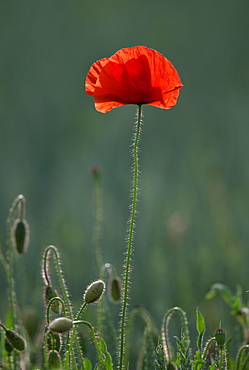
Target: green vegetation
192	233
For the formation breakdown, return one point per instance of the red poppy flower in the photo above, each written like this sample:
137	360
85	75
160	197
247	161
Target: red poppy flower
137	75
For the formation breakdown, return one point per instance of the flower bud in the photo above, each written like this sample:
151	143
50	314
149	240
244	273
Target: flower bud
61	325
50	293
20	235
114	289
54	360
8	346
15	339
220	336
94	291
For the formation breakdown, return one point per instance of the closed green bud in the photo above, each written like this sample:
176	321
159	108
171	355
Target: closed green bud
20	235
53	341
8	346
220	336
50	293
15	339
54	360
94	291
61	325
114	289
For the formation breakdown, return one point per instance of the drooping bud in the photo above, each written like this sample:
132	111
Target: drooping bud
61	325
94	291
114	289
15	339
220	336
8	346
20	235
54	360
50	293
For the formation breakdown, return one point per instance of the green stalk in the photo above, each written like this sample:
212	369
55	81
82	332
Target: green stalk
9	265
165	330
98	218
95	341
73	336
60	276
134	192
63	288
221	357
244	348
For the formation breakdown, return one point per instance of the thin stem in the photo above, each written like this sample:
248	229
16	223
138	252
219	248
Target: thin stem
242	349
207	347
130	326
73	336
95	341
60	277
134	193
9	267
52	300
98	217
45	267
165	330
112	272
64	291
221	357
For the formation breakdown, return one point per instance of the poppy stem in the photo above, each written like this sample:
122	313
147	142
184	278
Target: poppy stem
130	237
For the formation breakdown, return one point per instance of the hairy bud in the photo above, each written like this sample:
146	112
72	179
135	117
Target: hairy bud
61	325
50	293
54	360
20	236
94	291
8	346
114	289
15	339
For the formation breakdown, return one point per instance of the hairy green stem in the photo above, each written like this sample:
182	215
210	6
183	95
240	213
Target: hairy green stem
98	217
145	316
207	347
134	193
242	349
95	341
97	235
9	261
73	336
52	300
60	276
63	288
165	330
221	358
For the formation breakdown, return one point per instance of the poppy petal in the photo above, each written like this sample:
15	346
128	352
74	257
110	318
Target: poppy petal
137	75
93	75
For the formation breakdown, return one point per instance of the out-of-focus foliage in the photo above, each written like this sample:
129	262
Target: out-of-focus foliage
192	229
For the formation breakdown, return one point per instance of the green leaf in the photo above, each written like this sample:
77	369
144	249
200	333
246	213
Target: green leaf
224	291
200	322
198	361
87	364
201	327
212	367
108	359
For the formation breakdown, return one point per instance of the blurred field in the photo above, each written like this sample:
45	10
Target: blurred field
192	228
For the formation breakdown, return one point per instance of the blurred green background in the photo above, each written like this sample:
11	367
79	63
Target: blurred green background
192	229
